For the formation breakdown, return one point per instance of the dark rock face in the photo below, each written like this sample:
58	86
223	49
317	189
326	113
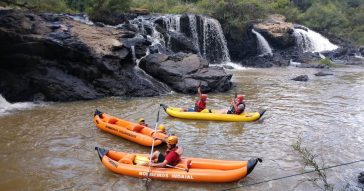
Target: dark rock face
184	72
361	177
302	78
180	43
54	58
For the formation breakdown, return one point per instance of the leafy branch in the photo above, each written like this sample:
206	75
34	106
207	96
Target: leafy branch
309	159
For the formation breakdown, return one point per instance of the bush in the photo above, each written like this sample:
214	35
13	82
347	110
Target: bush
326	61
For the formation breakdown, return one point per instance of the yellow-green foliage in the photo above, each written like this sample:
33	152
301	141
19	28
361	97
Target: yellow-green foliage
342	18
326	61
56	6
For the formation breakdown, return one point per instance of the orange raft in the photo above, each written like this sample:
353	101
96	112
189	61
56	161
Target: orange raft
131	131
188	170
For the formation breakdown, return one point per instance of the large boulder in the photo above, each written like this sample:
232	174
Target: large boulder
184	72
277	31
56	58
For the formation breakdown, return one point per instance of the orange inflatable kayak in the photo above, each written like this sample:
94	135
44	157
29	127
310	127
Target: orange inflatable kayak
131	131
188	170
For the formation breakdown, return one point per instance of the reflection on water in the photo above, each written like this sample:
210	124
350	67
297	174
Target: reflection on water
52	147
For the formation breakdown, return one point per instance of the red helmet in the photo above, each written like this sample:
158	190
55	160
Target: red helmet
240	97
204	96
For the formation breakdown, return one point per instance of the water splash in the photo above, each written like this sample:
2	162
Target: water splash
6	107
292	63
234	66
83	18
311	41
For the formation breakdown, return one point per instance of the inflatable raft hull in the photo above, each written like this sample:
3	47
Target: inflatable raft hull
131	131
200	170
213	115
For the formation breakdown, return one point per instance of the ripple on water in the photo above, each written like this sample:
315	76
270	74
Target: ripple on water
53	146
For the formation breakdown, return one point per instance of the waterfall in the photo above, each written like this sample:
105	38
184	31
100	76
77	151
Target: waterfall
214	44
263	45
133	53
4	105
311	41
172	22
205	33
193	30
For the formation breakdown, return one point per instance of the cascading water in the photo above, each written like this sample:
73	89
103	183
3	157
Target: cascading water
214	44
263	45
311	41
206	34
133	53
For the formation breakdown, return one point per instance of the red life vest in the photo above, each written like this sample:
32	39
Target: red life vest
200	105
172	156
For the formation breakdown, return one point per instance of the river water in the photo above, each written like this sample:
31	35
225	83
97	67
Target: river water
51	146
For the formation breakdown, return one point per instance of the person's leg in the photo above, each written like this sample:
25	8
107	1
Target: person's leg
155	155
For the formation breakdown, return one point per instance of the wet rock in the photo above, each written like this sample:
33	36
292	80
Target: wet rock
180	43
312	65
73	61
183	72
361	177
322	73
302	78
278	32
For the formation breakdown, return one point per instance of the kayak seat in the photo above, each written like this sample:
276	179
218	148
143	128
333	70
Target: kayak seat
127	159
137	128
112	121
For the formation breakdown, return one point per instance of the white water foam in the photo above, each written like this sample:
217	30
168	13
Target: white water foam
292	63
311	41
230	66
6	107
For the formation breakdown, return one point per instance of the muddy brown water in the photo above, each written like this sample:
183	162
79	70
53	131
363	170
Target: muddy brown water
51	147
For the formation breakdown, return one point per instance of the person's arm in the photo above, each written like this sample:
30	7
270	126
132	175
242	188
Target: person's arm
199	93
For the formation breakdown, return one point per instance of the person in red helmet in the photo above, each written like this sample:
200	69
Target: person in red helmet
237	106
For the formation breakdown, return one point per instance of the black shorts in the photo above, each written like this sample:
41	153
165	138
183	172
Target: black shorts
161	158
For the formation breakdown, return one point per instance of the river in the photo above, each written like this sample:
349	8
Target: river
51	146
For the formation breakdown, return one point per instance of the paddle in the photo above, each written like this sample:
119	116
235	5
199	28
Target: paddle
151	152
170	166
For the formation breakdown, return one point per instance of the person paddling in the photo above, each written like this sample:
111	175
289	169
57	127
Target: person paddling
141	121
200	103
237	106
172	156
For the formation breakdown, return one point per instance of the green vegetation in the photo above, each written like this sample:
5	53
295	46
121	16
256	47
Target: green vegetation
309	159
342	18
327	62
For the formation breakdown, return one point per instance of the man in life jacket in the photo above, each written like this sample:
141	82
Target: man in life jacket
237	105
172	156
200	104
141	121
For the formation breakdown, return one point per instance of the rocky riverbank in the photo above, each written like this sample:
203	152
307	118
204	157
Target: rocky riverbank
52	57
